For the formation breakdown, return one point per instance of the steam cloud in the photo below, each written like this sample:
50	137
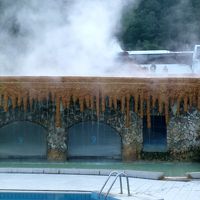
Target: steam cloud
59	37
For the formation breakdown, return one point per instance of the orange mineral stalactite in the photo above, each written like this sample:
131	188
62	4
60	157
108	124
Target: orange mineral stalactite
185	103
136	103
160	104
127	110
0	100
19	99
198	100
58	116
103	107
25	102
97	104
122	104
190	99
13	99
154	101
110	102
141	105
64	101
178	105
74	97
68	102
171	101
148	111
31	101
87	101
92	102
5	102
194	98
166	110
115	102
81	103
52	96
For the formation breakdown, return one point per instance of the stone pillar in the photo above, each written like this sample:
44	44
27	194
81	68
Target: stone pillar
132	139
57	144
129	152
56	155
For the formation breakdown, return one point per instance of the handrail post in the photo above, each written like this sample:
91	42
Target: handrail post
118	174
111	186
128	186
111	173
120	181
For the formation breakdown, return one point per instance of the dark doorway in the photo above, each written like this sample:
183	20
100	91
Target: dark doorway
23	139
93	140
155	138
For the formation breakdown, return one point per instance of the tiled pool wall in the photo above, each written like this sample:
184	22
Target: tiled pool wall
52	196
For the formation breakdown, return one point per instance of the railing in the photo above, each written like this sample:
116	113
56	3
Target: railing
117	174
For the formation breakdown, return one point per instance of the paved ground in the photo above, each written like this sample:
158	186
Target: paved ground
141	189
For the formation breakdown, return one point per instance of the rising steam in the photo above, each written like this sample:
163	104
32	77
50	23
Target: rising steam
59	37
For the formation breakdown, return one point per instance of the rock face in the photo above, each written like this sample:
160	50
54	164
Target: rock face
59	103
183	131
131	137
183	136
44	115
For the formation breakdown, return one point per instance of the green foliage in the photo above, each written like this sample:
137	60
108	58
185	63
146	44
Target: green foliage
161	24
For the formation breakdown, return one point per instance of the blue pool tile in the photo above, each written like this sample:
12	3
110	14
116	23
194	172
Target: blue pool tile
51	196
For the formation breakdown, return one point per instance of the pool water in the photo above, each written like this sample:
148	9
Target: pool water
169	168
51	196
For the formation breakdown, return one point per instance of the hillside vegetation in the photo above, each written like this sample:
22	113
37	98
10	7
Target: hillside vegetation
161	24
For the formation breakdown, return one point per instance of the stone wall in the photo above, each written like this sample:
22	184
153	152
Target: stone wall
183	131
58	103
131	137
43	113
183	136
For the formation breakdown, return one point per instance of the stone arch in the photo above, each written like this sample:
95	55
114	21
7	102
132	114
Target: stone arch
131	136
116	120
23	139
94	139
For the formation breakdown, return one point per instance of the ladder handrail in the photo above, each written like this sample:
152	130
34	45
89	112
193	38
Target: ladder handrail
118	174
127	181
111	173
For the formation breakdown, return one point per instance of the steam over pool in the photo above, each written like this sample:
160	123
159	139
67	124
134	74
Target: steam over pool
64	37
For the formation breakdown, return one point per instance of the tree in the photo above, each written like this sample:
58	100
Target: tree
161	24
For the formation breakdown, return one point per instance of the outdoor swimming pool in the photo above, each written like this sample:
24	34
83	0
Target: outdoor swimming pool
51	196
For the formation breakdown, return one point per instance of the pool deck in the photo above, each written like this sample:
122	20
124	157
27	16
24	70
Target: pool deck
141	189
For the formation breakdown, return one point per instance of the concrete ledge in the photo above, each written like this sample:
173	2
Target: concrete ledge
136	174
145	174
79	171
103	172
69	171
5	170
177	178
51	171
106	172
193	175
37	170
22	170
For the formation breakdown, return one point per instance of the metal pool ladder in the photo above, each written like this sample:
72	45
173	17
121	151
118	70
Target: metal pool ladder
116	174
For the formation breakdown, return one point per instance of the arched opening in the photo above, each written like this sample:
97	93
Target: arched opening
23	139
155	138
93	140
